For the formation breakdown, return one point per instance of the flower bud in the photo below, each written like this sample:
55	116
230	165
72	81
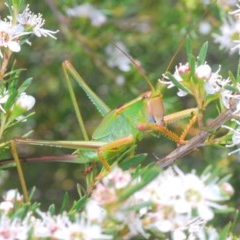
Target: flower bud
182	69
227	188
26	102
203	72
6	206
23	104
13	195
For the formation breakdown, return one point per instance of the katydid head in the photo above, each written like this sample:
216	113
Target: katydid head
155	108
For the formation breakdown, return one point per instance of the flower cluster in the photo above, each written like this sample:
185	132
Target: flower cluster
43	225
87	10
14	29
115	57
174	202
202	84
205	86
229	32
182	210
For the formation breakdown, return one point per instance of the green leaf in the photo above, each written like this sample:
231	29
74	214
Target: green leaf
52	209
225	210
177	83
35	206
230	88
22	212
65	202
25	85
238	72
138	206
147	175
78	205
132	162
224	232
235	220
32	193
232	77
203	53
188	48
191	62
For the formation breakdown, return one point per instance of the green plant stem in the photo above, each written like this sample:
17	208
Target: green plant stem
20	171
2	127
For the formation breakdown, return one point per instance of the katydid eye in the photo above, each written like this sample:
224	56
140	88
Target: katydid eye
151	119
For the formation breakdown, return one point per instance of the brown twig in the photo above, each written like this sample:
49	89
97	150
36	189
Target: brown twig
196	141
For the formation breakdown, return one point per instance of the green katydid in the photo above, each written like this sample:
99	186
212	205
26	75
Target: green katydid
116	136
120	128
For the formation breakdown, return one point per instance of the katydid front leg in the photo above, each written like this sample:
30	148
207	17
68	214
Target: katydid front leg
149	126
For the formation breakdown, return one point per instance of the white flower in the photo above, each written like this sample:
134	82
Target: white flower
115	58
195	196
13	195
10	36
235	136
61	227
9	199
228	32
106	191
104	194
14	229
179	71
88	11
206	233
215	82
33	23
237	11
179	235
120	80
27	23
6	206
227	96
94	212
204	27
117	178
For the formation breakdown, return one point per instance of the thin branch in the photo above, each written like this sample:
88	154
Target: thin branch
196	141
41	159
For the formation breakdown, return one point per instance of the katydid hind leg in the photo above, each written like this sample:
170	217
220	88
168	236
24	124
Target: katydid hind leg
100	105
100	147
129	140
76	105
